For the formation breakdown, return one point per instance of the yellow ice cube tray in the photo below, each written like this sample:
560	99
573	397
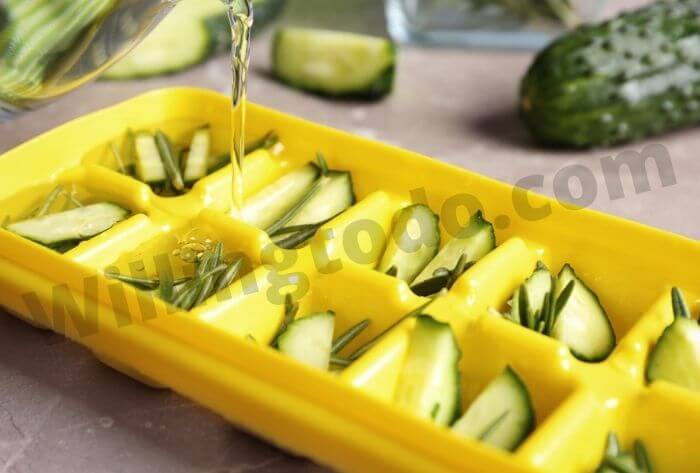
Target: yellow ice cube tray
218	353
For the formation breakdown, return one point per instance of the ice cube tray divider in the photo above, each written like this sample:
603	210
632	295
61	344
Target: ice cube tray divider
215	354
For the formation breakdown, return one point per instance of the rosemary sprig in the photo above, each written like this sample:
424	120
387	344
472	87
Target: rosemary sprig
165	149
295	229
364	348
348	336
290	311
298	238
228	275
118	157
393	271
207	279
49	201
72	199
269	140
144	283
322	163
443	278
336	360
680	308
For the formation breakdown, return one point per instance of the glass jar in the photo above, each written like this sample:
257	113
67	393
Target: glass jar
510	24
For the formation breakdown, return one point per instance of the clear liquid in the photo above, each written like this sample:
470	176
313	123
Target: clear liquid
49	48
240	13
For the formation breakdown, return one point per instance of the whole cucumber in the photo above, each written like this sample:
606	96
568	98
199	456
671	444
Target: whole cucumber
633	76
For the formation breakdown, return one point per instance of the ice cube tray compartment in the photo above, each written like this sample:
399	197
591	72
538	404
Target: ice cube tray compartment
216	354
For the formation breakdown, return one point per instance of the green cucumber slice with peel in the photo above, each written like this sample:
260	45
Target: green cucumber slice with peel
334	63
502	415
269	204
676	356
582	323
149	165
76	224
428	385
309	339
335	195
413	243
197	158
475	241
536	287
183	39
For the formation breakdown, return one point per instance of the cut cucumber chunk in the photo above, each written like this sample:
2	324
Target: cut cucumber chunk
676	356
181	40
71	225
429	382
192	32
475	241
414	241
582	323
309	339
502	415
334	63
536	288
273	201
197	158
149	165
335	195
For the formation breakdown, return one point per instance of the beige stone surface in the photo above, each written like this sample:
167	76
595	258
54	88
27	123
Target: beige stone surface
61	411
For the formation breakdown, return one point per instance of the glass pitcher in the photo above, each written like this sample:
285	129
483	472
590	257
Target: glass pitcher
50	47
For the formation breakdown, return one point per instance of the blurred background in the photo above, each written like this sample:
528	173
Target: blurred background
454	99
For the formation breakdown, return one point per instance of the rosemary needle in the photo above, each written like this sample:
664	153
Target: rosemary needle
165	150
364	348
336	360
348	336
118	158
46	206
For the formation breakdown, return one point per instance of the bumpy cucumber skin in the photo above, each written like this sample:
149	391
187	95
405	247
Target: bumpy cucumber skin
621	80
380	87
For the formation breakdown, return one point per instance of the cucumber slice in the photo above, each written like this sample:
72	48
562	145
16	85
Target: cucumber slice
180	41
536	287
309	339
475	240
334	63
149	165
76	224
414	241
502	415
191	33
273	201
582	323
334	196
676	356
197	158
429	382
